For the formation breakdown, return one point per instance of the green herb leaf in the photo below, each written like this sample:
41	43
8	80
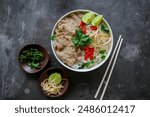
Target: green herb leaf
32	57
102	51
104	28
80	39
75	41
103	57
34	65
87	64
52	37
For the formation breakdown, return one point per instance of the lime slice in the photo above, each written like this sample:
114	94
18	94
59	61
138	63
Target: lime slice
88	17
97	20
55	78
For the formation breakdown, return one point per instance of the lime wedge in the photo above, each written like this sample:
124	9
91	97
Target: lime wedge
55	78
88	17
97	20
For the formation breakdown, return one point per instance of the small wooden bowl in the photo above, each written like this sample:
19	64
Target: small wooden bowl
47	73
27	68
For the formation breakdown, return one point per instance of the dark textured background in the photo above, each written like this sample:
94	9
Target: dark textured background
31	21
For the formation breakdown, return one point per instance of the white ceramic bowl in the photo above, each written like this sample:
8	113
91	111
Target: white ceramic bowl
94	67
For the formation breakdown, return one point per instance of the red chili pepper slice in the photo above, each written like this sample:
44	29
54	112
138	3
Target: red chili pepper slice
81	24
85	57
83	27
88	53
91	57
84	30
93	27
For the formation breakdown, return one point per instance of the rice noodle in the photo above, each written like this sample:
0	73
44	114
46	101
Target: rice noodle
50	88
100	39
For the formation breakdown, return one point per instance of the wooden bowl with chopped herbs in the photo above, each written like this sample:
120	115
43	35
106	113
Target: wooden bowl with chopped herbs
33	58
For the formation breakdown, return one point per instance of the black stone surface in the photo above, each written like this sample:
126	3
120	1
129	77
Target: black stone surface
31	21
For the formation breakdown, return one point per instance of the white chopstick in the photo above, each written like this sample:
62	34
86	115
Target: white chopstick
97	92
102	95
119	43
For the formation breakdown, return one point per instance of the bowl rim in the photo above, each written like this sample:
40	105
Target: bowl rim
67	84
45	63
94	67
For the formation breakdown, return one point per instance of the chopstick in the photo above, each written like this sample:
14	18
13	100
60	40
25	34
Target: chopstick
117	48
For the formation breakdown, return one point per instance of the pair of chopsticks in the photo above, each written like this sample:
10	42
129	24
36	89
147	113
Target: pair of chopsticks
109	67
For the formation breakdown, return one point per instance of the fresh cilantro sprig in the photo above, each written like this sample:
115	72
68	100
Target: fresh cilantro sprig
80	39
104	28
52	37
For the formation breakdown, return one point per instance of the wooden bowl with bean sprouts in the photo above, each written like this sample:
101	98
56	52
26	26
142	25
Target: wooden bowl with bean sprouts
54	82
